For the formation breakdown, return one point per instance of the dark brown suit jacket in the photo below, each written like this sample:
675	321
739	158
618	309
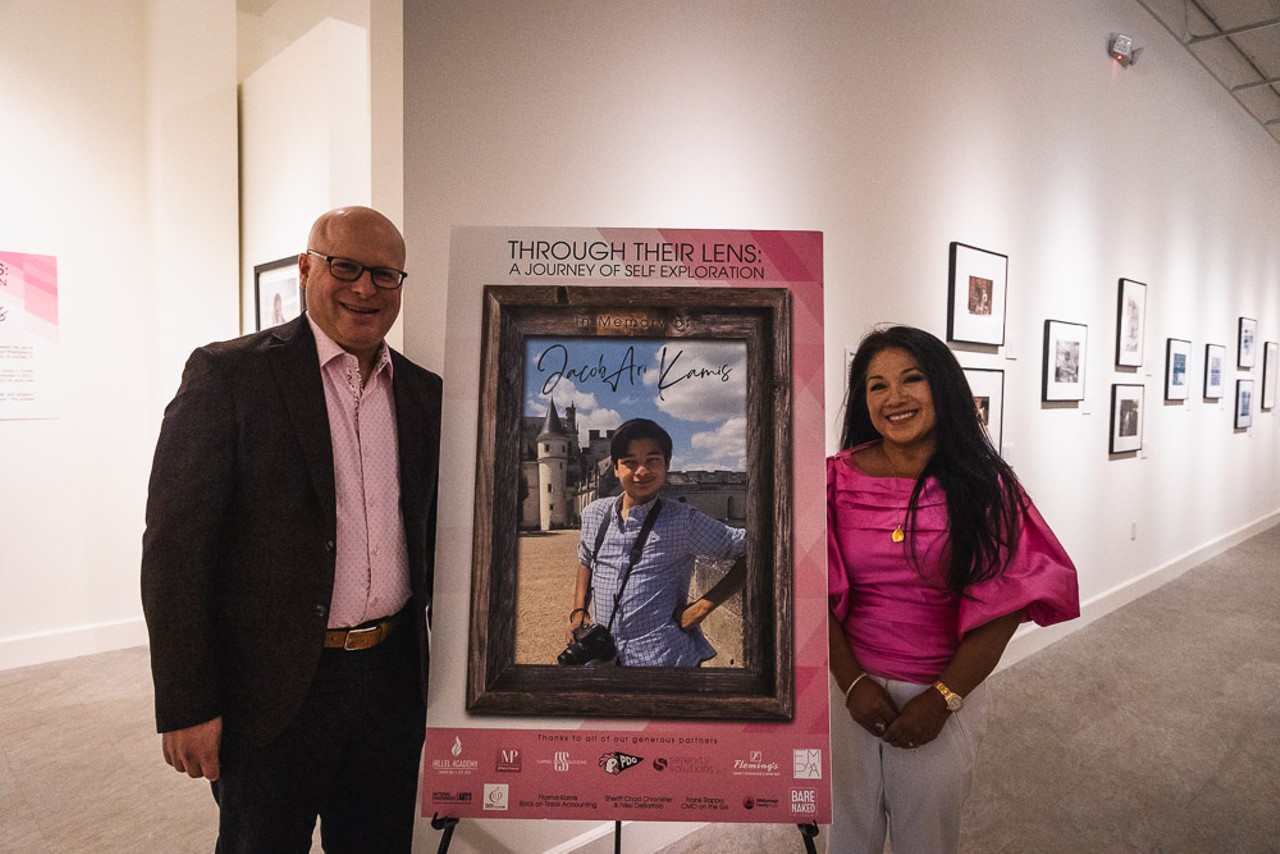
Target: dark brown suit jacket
238	555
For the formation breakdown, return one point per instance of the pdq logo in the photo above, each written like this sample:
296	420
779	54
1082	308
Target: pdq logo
616	763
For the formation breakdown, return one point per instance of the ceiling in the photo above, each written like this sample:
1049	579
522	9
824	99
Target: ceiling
1238	42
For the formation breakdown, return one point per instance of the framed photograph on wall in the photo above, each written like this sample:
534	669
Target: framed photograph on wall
1131	323
1247	343
1244	404
1126	417
987	387
976	296
1177	364
1270	373
1064	358
1215	363
277	294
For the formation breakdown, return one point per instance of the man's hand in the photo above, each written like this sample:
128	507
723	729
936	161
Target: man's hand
694	614
194	750
579	618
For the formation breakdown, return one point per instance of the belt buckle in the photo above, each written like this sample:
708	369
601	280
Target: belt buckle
347	646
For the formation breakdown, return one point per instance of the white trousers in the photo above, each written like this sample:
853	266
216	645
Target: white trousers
916	796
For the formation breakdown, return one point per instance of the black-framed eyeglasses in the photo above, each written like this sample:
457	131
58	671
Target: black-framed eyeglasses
344	269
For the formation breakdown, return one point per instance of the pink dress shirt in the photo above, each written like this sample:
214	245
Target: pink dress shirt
901	620
372	575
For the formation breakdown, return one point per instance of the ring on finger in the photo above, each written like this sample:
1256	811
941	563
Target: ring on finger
879	726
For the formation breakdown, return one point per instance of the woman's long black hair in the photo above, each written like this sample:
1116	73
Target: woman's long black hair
984	500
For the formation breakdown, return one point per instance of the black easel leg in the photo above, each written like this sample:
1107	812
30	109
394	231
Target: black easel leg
446	824
808	832
617	837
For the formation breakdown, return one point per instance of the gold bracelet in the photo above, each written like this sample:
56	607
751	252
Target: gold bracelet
853	684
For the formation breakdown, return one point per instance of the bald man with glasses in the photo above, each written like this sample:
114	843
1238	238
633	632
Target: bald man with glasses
287	560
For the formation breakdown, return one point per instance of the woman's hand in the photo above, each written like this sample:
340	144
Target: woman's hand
871	707
922	718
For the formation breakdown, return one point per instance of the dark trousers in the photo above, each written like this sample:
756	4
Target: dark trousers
350	757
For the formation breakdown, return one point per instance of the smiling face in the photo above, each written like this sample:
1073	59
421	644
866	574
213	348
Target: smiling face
642	471
899	400
356	315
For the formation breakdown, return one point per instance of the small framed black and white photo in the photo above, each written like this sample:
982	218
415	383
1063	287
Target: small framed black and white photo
976	296
987	387
1064	360
1215	364
1126	417
1247	346
1270	373
1177	364
277	294
1131	322
1244	404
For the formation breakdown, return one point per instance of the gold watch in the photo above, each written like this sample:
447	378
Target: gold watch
954	701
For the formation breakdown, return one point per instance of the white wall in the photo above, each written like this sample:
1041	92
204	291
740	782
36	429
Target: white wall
118	157
895	128
305	142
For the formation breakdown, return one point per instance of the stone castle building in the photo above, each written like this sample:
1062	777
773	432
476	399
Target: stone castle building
559	476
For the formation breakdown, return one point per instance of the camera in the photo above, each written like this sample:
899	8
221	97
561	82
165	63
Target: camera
591	642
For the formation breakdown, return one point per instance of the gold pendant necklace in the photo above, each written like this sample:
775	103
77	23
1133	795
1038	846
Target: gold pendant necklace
898	534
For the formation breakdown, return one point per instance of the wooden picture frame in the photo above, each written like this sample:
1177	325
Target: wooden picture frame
1065	350
519	320
1127	415
976	295
1131	323
1177	369
278	296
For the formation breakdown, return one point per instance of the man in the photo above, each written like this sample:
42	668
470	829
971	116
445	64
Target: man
636	556
287	560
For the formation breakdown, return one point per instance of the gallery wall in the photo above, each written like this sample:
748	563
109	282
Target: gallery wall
119	158
895	128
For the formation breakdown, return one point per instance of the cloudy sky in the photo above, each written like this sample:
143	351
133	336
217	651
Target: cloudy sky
697	390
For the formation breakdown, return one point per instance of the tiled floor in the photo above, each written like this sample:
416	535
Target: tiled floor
1156	728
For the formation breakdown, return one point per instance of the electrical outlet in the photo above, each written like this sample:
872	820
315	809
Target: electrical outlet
1133	530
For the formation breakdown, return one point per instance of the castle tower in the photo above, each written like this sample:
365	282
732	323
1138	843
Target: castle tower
555	506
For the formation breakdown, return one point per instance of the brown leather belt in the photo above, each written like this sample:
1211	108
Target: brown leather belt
362	637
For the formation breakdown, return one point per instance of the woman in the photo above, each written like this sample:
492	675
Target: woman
935	556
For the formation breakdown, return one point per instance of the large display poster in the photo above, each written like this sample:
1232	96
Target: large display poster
28	335
555	337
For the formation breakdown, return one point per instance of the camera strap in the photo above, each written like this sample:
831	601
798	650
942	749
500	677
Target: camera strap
637	549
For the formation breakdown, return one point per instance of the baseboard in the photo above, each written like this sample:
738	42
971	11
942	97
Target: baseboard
42	647
1031	638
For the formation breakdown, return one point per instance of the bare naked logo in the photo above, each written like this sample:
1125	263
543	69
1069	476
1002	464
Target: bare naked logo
616	763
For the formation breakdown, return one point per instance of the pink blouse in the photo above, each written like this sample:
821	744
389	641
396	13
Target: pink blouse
901	620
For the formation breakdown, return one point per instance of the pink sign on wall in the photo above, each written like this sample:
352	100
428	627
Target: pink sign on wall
554	338
28	335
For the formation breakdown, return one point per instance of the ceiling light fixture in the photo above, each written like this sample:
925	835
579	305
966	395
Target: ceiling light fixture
1122	50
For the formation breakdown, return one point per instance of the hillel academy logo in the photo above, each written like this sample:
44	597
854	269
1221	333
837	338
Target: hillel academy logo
616	763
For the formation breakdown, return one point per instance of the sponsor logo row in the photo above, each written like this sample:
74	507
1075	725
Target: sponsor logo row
806	764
